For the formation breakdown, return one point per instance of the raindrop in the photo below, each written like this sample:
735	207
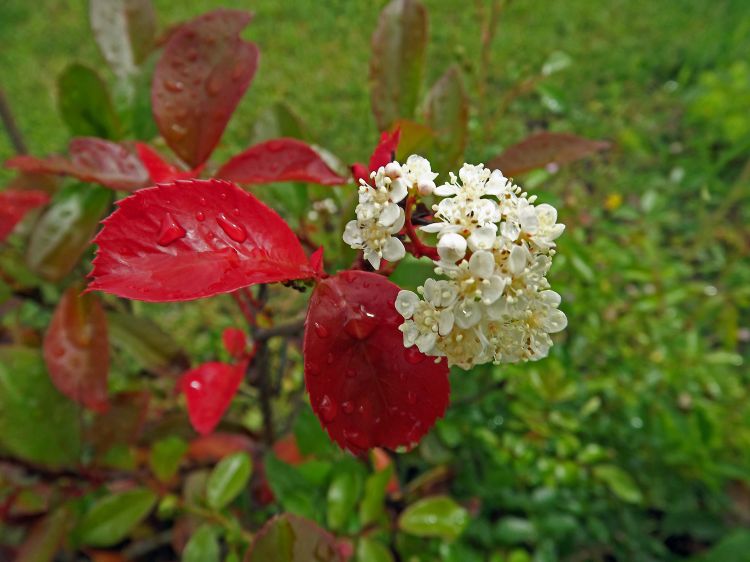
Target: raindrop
348	407
413	355
236	212
312	370
411	397
178	131
321	330
237	71
357	438
223	196
235	231
200	216
174	85
213	86
327	409
361	324
170	231
195	385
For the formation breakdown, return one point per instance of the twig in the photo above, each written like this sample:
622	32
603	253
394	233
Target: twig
14	133
292	329
417	247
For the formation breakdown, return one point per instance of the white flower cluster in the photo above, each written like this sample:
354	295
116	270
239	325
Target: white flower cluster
495	248
379	215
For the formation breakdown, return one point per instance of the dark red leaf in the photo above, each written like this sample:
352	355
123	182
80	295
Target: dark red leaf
277	160
360	172
76	349
91	160
209	389
199	80
545	148
235	341
191	239
122	423
14	204
290	538
212	448
385	152
159	170
366	388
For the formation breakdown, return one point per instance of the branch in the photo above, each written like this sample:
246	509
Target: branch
14	133
417	247
294	328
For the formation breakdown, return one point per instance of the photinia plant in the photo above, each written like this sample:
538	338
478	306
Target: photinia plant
376	358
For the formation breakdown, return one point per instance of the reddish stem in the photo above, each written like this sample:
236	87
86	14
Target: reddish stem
416	247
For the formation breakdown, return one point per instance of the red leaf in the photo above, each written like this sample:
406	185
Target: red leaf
159	170
545	148
199	80
76	349
91	160
191	239
365	387
385	152
209	389
277	160
212	448
360	172
14	204
292	538
235	341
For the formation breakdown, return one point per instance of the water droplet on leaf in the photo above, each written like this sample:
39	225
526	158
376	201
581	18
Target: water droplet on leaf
200	216
235	231
348	407
327	409
413	355
170	231
320	330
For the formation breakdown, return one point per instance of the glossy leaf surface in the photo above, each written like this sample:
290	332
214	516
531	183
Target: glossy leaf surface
159	170
436	516
191	239
209	389
44	431
199	80
227	479
14	204
545	148
124	30
64	232
289	538
447	113
276	160
76	349
397	64
92	160
113	516
203	546
365	387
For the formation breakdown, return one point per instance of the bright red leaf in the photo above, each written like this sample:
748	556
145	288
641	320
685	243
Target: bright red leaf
199	80
76	349
384	153
191	239
14	204
366	388
91	160
235	341
545	148
159	170
209	389
278	160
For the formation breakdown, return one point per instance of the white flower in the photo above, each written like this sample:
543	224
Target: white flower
451	247
417	172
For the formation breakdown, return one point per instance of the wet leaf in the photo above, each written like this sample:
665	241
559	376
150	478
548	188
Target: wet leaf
228	479
85	104
209	389
203	546
364	397
291	488
159	170
64	232
372	550
289	538
343	494
45	538
235	342
37	423
76	349
542	149
125	31
90	160
199	80
114	516
397	64
447	113
278	160
436	516
385	152
191	239
14	204
372	506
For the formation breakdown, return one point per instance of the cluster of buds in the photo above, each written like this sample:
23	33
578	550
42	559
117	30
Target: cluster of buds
492	300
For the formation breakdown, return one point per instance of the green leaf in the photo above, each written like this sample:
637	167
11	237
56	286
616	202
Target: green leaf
65	230
85	104
143	339
227	479
412	272
112	517
447	113
343	494
436	516
203	546
310	436
37	423
46	537
397	63
619	482
734	547
291	488
288	538
371	550
372	506
165	457
515	530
